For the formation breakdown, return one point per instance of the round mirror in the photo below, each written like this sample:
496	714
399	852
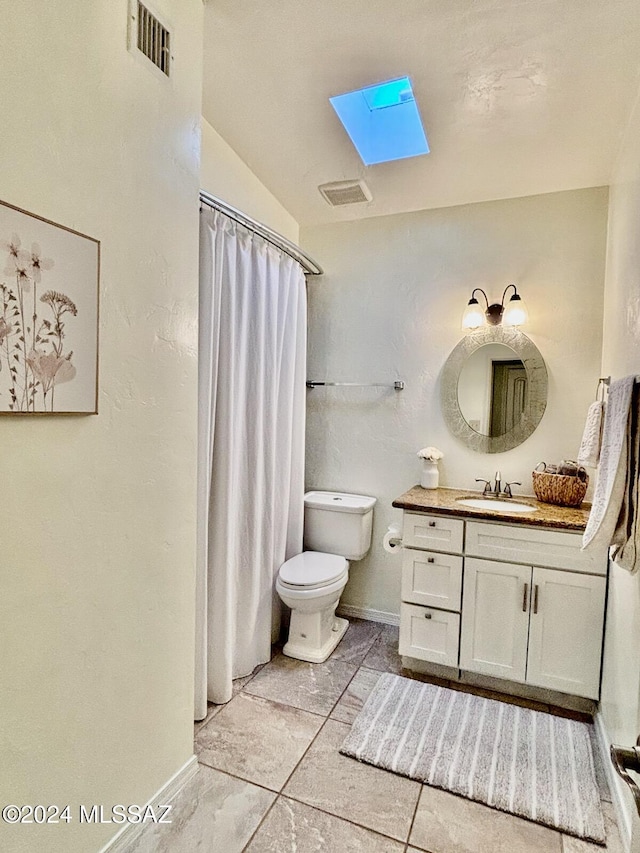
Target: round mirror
494	389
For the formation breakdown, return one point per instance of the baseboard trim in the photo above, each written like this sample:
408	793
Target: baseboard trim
130	831
381	616
616	785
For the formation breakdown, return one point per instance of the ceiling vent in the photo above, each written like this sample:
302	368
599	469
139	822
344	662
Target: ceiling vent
345	192
150	37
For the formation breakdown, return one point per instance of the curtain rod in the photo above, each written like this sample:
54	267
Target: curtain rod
308	264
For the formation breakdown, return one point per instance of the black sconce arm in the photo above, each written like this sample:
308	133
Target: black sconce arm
479	290
515	292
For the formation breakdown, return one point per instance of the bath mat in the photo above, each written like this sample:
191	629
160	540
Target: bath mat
525	762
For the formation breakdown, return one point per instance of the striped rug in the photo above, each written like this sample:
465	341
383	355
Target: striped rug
525	762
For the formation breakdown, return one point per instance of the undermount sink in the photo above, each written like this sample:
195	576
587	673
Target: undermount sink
496	505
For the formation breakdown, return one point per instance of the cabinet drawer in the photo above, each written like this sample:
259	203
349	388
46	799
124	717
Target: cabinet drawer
432	578
533	547
433	532
431	635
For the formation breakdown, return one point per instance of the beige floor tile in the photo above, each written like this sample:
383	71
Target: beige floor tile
257	740
292	826
446	823
614	842
355	644
355	695
312	687
383	654
212	710
240	683
344	787
212	812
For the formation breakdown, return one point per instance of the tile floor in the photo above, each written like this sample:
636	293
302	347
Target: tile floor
271	779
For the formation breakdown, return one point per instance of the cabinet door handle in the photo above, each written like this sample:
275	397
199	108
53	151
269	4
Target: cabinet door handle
525	596
431	559
535	598
427	615
432	524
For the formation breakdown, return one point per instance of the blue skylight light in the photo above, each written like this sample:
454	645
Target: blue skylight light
383	121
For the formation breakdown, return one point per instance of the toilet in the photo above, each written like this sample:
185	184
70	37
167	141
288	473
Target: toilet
337	528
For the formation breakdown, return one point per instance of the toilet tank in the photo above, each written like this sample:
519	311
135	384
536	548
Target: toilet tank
338	523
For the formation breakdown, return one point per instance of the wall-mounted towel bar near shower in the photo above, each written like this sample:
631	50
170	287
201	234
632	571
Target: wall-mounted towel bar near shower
398	385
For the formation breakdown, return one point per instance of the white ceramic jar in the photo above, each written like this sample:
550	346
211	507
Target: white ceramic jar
430	474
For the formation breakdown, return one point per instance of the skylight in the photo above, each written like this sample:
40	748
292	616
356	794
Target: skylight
383	121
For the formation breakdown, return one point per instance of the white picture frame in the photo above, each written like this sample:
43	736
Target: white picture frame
49	315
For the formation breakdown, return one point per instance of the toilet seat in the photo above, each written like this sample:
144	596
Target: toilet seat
312	570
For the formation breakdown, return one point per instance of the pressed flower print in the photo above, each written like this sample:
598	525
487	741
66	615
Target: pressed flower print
48	316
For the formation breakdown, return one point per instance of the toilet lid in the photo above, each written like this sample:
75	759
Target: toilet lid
313	568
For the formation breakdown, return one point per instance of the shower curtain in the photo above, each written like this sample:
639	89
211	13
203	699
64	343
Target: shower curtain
252	365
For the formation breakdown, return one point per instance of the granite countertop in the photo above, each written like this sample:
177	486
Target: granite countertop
444	502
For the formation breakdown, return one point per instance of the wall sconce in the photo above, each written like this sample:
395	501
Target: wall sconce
514	314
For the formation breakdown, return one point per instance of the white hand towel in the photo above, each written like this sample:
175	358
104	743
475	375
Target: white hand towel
612	473
626	539
589	453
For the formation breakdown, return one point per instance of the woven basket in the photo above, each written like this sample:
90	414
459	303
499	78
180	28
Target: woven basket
559	489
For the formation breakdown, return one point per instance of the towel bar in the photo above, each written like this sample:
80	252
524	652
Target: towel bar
398	385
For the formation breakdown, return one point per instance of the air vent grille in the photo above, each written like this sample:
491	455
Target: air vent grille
345	192
153	39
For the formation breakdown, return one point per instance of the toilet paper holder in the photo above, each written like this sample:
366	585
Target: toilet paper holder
392	539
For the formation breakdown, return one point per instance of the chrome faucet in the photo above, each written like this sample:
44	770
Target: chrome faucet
496	491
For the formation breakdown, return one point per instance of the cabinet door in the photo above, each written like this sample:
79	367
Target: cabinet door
430	635
565	642
495	618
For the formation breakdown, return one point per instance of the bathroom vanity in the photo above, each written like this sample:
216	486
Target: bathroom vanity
500	595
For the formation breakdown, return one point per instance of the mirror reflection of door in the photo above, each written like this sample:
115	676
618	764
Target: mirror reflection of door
493	390
508	395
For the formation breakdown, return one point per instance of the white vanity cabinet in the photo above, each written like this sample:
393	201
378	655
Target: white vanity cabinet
509	601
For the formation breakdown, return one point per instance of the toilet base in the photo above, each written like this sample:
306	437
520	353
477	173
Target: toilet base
312	637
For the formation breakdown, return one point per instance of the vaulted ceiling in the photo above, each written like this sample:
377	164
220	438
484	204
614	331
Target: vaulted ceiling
518	97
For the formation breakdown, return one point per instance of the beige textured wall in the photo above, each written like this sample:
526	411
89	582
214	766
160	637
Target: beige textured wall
229	178
97	527
390	306
620	357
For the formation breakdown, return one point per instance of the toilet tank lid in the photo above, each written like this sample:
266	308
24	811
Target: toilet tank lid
339	501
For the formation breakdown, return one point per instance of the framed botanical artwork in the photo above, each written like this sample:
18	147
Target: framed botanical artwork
49	284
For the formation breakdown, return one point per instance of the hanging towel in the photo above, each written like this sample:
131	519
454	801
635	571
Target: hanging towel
614	479
626	539
589	453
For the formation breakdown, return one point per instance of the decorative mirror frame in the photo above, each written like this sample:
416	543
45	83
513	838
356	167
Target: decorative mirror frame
537	379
